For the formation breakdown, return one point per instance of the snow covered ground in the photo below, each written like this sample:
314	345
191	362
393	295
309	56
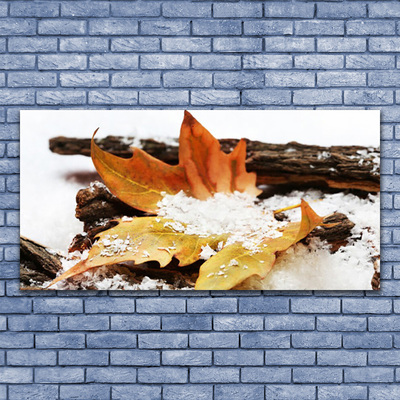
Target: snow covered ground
48	198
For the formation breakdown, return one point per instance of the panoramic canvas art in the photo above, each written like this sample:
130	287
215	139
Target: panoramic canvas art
200	200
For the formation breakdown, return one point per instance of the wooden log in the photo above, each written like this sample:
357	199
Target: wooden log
293	164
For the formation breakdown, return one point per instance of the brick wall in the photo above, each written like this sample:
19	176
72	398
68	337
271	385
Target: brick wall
221	345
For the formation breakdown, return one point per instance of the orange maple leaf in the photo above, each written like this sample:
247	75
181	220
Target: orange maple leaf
203	169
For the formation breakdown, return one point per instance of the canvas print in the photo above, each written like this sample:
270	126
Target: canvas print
200	200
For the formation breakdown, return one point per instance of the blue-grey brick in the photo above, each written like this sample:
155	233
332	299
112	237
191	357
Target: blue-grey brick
387	323
33	392
186	10
384	10
238	392
136	9
164	28
318	27
290	392
264	375
113	61
3	9
370	61
113	27
341	45
365	27
315	305
320	340
289	79
61	97
12	150
384	78
368	97
188	79
177	97
14	97
137	79
83	79
342	78
61	27
396	275
317	375
34	9
17	305
240	323
214	340
266	96
109	305
135	322
217	27
341	323
194	45
3	319
9	270
32	323
163	340
183	392
164	61
288	10
342	358
34	79
214	375
290	357
62	61
261	340
57	306
367	340
162	375
2	84
237	45
238	357
384	357
344	392
16	375
109	96
83	357
214	97
31	357
343	10
8	201
155	305
368	374
59	375
366	306
111	375
186	357
17	61
215	62
289	322
111	340
135	44
187	323
85	9
269	27
87	45
237	10
289	45
317	97
319	61
386	236
387	44
136	392
212	305
85	392
84	323
32	45
268	305
14	340
135	357
17	26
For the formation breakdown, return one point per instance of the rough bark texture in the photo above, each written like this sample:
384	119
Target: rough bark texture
294	164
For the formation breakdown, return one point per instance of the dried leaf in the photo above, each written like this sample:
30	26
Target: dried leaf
203	170
141	240
234	264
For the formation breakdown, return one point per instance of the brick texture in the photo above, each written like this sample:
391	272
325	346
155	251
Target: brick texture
205	54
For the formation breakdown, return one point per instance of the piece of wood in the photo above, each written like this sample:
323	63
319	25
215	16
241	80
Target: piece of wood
292	164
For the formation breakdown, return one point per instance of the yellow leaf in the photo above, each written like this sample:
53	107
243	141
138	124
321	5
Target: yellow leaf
234	263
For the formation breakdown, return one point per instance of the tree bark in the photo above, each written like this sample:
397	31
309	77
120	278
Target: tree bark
293	164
